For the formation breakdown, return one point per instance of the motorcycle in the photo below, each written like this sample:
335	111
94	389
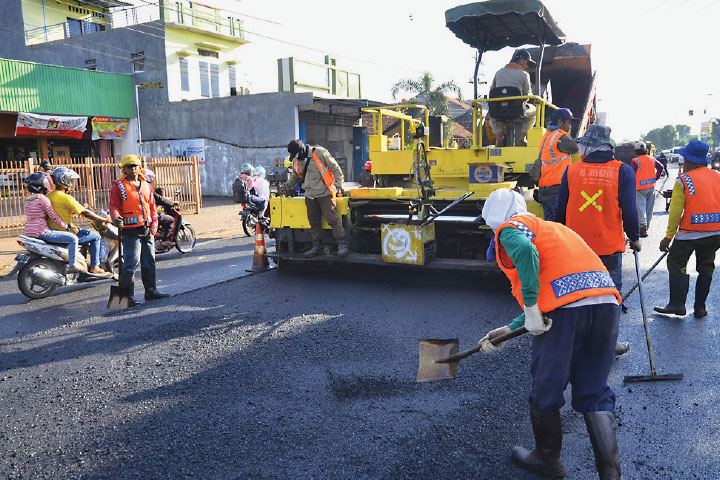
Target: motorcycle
249	216
715	161
183	235
44	267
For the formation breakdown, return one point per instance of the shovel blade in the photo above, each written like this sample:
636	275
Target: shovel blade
430	350
119	298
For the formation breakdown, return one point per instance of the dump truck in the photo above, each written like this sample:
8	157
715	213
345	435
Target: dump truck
425	208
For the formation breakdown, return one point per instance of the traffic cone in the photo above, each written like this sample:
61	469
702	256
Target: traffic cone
260	259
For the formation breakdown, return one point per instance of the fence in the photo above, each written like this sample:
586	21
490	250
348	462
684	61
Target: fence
178	176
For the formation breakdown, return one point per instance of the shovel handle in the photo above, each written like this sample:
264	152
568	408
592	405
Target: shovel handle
499	339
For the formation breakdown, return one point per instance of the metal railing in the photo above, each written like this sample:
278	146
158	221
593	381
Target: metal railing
178	176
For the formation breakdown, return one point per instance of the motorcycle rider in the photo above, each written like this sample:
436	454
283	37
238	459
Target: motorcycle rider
252	199
165	220
132	205
262	187
66	206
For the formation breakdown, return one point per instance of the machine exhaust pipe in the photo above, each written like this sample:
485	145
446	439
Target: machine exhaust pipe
47	275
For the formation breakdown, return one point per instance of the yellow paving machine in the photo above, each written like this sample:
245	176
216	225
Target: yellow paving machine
424	208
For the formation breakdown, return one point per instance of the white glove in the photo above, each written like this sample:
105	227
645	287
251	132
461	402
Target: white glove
535	323
486	346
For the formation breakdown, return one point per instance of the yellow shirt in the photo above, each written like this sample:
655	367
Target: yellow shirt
65	206
677	206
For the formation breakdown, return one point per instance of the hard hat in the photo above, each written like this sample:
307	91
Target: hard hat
287	162
368	165
130	160
247	169
148	174
260	172
37	182
64	176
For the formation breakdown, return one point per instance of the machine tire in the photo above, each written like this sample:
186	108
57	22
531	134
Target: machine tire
185	239
25	282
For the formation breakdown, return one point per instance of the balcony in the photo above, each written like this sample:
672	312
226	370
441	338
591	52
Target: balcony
207	21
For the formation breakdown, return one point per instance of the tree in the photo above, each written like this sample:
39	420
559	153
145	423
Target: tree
663	138
433	97
682	131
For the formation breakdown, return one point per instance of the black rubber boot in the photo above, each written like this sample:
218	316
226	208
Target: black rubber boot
317	249
621	348
151	291
342	248
127	280
679	285
702	289
545	458
601	427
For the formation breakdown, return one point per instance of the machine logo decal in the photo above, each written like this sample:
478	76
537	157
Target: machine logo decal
483	174
397	244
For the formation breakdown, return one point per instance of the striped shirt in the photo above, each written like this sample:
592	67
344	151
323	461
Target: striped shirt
37	209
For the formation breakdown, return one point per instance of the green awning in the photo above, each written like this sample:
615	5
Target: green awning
36	88
496	24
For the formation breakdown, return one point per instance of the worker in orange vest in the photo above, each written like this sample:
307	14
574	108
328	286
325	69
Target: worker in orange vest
132	207
570	306
647	171
597	201
322	182
695	210
554	156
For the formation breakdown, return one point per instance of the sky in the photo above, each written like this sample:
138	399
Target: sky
655	59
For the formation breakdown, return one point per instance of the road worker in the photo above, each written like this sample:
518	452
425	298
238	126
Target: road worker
322	181
514	74
366	177
597	201
571	307
554	156
132	207
695	209
647	171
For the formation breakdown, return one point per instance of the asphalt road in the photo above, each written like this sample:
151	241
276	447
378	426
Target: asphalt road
312	375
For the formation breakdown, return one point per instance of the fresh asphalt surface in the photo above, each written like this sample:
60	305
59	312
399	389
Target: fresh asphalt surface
312	375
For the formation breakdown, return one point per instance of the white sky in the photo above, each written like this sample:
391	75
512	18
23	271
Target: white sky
655	59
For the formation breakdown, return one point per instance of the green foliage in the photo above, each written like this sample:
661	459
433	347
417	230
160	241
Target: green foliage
682	131
663	138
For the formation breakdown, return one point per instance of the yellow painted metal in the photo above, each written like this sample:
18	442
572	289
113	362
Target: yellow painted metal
409	244
376	143
389	192
290	212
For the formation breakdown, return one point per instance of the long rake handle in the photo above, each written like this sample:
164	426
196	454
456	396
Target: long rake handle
645	275
653	372
466	353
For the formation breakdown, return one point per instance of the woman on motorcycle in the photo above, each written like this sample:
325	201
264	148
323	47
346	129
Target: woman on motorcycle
38	209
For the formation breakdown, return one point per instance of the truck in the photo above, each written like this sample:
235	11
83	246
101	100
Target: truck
424	210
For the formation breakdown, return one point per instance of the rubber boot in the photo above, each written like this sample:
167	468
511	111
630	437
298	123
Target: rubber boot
545	458
702	289
679	285
621	348
342	248
601	427
151	291
317	249
127	280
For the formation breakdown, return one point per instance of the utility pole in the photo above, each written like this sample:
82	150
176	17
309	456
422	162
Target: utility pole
137	108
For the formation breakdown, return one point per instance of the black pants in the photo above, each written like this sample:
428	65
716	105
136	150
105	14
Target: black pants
704	249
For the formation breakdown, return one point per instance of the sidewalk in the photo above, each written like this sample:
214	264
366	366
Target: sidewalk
217	219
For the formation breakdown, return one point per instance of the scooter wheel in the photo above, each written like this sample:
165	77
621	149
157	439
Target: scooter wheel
29	286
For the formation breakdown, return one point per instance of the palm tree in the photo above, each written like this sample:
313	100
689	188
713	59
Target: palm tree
424	93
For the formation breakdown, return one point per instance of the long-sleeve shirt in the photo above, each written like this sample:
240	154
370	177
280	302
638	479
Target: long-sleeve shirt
677	207
37	210
525	256
626	194
313	184
116	201
512	75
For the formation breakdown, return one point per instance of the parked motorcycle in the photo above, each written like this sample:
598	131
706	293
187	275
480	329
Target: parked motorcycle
43	268
183	235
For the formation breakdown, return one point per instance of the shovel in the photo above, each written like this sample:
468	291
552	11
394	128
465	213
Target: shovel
119	296
438	358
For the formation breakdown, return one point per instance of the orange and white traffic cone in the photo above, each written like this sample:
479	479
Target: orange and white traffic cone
260	259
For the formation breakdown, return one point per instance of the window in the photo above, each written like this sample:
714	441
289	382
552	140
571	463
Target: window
215	79
231	77
91	64
207	53
184	76
204	79
138	61
74	27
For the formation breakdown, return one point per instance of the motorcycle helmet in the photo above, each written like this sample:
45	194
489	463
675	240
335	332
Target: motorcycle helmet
149	175
247	169
64	176
37	182
261	172
368	166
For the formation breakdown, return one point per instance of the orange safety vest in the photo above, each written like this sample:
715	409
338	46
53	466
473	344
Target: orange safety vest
593	208
135	209
645	174
569	270
326	174
702	211
554	162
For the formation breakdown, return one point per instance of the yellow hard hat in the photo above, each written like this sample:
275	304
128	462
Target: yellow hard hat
288	162
131	160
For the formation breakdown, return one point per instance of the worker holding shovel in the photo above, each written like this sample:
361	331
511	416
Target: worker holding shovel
571	306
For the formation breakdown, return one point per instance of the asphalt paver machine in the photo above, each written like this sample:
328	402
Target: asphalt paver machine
424	208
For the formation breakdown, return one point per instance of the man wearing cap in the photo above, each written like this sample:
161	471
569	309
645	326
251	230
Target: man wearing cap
554	156
695	210
515	74
322	181
647	171
571	308
597	200
133	209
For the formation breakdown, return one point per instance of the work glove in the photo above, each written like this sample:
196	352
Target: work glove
118	222
535	323
486	346
665	244
281	191
340	193
635	245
